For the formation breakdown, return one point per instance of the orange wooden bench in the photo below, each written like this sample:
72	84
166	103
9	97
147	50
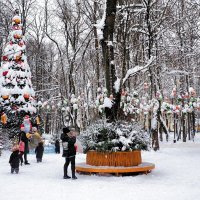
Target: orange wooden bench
144	167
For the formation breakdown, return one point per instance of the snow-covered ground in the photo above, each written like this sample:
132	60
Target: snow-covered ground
176	177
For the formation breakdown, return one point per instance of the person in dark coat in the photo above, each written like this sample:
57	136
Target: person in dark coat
25	139
69	151
14	160
39	150
57	146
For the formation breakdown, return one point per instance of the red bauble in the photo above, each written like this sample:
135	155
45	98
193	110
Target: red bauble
5	58
26	96
5	73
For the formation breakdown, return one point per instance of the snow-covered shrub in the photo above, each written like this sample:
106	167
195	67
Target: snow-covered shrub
116	136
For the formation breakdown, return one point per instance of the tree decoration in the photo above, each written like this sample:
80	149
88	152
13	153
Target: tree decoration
5	73
192	92
16	19
159	95
5	58
26	96
37	120
5	97
4	118
173	94
146	86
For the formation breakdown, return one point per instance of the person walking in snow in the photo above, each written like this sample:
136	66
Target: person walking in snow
57	146
69	151
36	137
39	150
14	159
25	139
21	150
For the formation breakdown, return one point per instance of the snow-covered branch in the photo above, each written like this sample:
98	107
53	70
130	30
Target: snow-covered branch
135	70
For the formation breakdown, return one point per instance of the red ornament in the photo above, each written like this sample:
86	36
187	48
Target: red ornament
26	96
5	58
5	73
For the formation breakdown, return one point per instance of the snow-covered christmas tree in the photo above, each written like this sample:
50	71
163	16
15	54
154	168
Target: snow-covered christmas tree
116	136
17	97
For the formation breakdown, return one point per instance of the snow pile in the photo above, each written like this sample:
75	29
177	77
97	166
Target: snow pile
176	177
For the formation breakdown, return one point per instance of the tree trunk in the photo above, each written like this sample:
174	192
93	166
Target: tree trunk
108	56
96	46
71	79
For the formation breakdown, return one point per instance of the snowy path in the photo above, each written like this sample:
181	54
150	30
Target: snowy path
176	177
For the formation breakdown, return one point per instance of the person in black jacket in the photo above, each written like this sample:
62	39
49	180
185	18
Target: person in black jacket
39	151
14	160
57	146
25	139
69	151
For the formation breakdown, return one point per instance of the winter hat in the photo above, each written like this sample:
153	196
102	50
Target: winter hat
41	142
22	126
66	130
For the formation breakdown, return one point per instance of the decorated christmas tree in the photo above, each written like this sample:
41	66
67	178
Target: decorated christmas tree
17	97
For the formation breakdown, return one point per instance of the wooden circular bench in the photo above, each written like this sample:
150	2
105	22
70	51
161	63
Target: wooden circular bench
117	159
144	167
